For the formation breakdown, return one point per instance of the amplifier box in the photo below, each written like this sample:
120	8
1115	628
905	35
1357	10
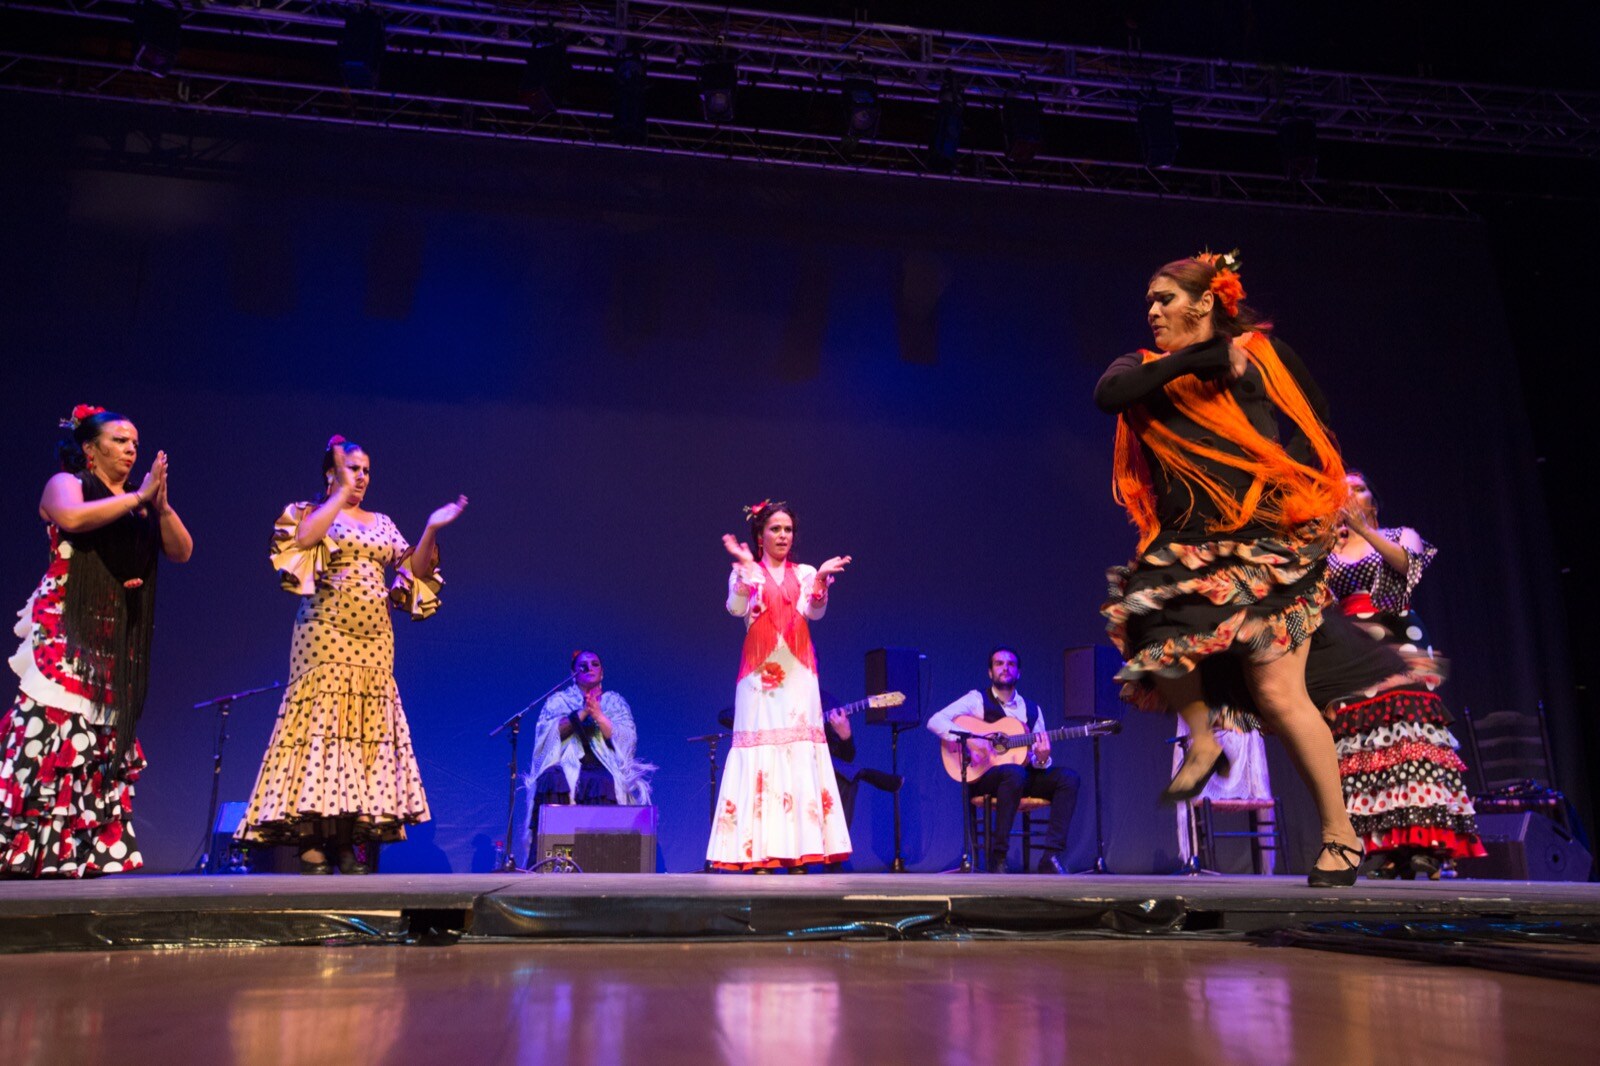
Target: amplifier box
1527	846
599	839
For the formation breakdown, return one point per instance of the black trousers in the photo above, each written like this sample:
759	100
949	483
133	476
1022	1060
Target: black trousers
1008	784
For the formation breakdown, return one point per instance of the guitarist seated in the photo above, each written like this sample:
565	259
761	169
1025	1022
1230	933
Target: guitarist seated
1009	783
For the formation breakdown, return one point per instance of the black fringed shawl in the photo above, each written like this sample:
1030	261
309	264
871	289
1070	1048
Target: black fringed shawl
108	613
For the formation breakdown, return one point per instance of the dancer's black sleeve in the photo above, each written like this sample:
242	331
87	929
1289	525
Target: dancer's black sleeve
1130	380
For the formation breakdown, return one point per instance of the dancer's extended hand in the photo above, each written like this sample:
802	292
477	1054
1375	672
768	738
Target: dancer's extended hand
738	549
833	566
448	513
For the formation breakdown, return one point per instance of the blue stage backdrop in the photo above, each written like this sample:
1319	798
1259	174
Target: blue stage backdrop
610	353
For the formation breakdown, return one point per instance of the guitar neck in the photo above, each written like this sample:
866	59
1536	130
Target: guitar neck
1072	732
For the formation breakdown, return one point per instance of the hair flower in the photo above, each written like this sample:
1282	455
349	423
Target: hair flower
1225	281
754	509
335	440
79	413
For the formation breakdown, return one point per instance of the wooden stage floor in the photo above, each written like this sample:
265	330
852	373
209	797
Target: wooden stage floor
1149	1000
849	968
156	911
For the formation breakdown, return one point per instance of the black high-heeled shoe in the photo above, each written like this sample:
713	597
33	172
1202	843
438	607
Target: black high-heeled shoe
1320	878
1171	795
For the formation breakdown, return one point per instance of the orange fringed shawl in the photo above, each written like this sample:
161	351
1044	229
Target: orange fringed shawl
1283	493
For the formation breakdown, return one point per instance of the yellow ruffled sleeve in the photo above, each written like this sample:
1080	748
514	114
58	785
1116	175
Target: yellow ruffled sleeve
418	597
298	568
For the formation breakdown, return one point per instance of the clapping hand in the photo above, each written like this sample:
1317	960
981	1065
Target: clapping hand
833	566
738	549
154	485
448	513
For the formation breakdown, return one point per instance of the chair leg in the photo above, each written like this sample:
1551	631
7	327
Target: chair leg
1205	848
1027	842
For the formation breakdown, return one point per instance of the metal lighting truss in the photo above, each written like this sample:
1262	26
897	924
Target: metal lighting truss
296	78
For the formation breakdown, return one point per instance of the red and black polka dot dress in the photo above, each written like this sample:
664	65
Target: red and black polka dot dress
341	746
1399	764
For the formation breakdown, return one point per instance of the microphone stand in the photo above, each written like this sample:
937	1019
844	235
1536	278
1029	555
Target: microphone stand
966	800
710	741
898	866
514	724
223	704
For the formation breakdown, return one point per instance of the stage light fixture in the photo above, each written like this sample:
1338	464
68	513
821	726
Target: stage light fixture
1158	134
1297	147
718	83
544	78
361	48
946	139
1022	118
861	109
628	118
156	30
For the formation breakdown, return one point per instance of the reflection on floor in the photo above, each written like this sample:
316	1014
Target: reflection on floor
1084	1001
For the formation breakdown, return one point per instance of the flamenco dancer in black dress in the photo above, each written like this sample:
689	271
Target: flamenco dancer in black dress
1219	607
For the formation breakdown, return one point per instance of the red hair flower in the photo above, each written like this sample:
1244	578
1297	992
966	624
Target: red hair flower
79	413
755	509
335	440
1225	282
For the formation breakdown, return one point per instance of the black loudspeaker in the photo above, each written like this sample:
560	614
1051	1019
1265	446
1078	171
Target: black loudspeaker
1092	685
1527	847
895	670
601	839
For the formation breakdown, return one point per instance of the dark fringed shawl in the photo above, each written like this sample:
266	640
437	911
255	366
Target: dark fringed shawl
108	613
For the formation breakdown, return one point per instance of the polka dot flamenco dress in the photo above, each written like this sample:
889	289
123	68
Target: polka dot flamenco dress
1398	761
66	806
341	746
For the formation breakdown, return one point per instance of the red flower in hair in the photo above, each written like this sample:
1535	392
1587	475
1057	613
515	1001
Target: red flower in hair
83	410
335	440
1229	290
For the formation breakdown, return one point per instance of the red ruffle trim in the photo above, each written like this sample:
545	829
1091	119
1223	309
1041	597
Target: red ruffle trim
779	864
1447	841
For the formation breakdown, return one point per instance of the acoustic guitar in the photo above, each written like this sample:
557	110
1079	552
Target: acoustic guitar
1007	742
886	699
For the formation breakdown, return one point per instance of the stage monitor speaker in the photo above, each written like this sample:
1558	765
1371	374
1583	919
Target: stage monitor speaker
1092	688
1527	846
601	840
895	670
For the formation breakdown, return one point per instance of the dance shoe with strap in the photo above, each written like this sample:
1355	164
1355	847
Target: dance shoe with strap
1351	857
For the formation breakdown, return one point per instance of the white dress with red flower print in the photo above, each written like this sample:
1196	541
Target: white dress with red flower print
779	801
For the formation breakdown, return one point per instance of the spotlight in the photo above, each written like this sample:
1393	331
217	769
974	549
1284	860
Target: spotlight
1158	134
156	32
544	79
1297	146
361	48
1023	120
717	84
946	140
861	110
628	119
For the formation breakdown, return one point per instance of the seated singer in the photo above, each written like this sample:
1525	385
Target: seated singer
583	747
1009	783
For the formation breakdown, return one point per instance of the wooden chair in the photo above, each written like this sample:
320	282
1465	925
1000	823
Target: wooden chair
1265	817
1032	831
